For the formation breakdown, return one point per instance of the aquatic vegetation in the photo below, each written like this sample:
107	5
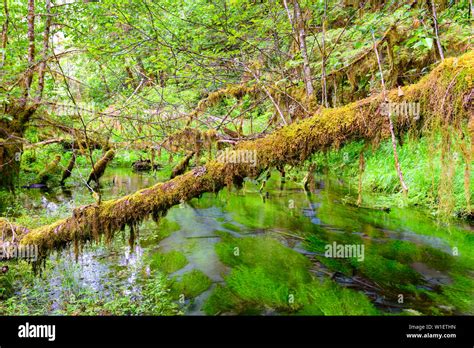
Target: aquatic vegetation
330	299
268	275
164	228
459	296
389	264
266	252
223	300
388	273
191	284
169	262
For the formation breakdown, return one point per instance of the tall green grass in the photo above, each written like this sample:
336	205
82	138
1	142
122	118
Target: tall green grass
420	161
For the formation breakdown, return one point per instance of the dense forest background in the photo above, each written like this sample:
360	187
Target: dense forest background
376	95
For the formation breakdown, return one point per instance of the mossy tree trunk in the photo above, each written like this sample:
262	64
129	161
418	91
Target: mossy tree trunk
10	150
12	127
289	145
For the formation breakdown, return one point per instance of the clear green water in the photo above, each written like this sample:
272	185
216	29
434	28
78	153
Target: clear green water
405	251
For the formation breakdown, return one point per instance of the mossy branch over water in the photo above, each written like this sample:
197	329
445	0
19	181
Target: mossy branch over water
444	96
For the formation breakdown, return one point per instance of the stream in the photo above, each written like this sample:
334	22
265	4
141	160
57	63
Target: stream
285	212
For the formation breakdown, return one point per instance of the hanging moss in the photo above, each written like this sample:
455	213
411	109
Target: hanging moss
289	145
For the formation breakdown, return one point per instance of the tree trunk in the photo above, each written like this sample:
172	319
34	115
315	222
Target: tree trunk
304	52
10	153
436	29
11	144
290	145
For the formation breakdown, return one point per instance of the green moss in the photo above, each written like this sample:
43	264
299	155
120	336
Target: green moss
191	284
169	262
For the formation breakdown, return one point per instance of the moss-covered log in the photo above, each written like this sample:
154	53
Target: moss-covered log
449	84
100	166
68	171
181	167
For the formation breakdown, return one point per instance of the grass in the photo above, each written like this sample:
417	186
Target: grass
420	160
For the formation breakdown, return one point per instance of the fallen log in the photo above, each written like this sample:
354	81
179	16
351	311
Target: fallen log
448	84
